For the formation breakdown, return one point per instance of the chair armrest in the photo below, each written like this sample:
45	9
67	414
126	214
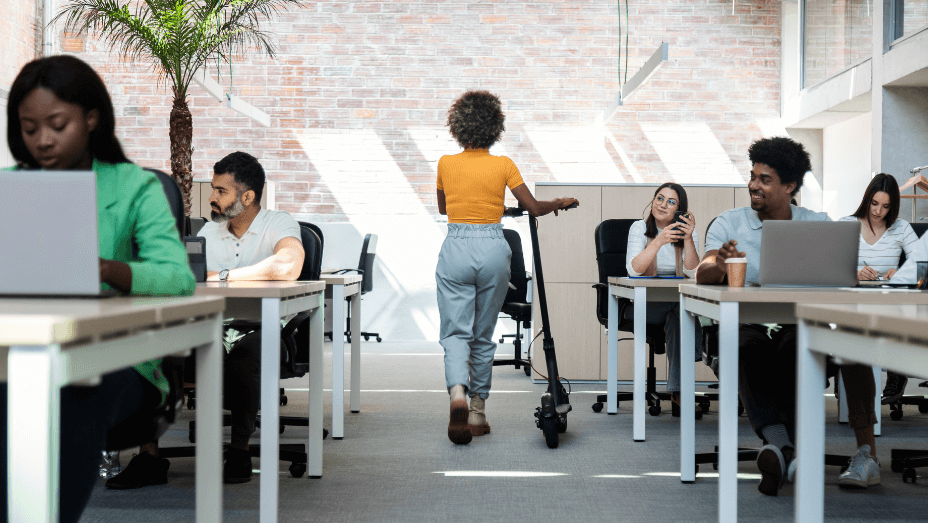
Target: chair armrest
294	322
343	271
598	286
528	276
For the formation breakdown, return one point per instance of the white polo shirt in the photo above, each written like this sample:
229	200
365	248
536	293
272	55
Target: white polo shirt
225	251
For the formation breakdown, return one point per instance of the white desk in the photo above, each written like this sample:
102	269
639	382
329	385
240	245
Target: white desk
338	288
271	301
889	336
640	291
731	307
52	343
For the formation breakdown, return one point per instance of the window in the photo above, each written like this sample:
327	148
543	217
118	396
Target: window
908	17
836	34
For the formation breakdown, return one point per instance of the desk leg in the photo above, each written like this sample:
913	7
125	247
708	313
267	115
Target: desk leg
270	408
842	399
338	360
314	445
33	425
612	371
687	395
810	430
356	352
209	427
639	405
728	411
878	381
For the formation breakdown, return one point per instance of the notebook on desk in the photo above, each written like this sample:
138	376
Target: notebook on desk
50	244
809	254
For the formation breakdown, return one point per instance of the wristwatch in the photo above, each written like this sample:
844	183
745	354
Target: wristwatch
224	275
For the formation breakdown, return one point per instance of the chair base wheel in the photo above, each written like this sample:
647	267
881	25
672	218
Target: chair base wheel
597	407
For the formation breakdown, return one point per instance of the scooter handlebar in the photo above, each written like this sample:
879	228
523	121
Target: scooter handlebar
514	211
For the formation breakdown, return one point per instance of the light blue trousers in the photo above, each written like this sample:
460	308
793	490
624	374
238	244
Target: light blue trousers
473	278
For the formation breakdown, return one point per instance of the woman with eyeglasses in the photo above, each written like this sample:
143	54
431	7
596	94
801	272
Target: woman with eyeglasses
660	246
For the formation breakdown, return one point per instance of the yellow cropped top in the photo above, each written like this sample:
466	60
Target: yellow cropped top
474	183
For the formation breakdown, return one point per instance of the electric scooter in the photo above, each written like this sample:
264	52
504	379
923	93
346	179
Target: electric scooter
551	416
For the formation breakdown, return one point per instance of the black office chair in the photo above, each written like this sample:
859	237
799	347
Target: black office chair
151	425
516	305
895	409
315	228
294	363
611	238
366	270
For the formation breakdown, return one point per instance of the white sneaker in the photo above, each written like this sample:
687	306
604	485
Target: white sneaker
862	470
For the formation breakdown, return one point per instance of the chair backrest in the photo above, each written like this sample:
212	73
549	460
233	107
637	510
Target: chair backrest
312	248
366	263
194	224
315	228
517	275
175	199
919	229
611	237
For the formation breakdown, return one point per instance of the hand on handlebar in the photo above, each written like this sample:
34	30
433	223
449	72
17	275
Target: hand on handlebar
565	204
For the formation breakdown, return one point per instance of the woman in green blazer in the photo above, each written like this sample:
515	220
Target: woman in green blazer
60	117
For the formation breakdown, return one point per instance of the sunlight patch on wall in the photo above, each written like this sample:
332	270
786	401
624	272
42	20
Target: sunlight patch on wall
691	153
373	191
576	155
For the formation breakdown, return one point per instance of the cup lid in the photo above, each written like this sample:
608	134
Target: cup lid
736	260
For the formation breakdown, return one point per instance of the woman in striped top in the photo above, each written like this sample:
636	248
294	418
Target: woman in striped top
883	238
883	235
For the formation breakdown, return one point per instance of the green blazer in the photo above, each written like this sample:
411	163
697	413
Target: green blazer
131	205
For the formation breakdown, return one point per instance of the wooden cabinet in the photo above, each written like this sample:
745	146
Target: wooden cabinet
568	256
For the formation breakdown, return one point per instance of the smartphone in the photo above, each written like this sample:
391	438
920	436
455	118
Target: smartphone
678	216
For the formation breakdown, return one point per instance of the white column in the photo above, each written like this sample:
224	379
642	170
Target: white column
728	411
338	360
687	395
810	430
33	422
641	357
209	427
270	408
842	398
612	359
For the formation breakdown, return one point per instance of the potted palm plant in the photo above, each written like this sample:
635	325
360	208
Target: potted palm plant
177	37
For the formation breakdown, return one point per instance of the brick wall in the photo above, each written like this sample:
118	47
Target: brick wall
839	33
18	25
359	92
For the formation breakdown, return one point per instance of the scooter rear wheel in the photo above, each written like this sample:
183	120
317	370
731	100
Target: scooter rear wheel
549	427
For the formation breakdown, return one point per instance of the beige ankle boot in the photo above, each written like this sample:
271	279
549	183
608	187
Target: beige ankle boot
477	418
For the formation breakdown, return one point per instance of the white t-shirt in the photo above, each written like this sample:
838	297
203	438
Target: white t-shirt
666	264
225	251
885	253
907	273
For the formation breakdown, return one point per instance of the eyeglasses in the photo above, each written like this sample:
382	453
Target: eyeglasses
659	199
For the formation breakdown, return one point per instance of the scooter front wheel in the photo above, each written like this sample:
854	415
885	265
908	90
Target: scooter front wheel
549	427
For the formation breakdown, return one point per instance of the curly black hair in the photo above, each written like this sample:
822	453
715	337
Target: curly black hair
245	170
788	157
476	120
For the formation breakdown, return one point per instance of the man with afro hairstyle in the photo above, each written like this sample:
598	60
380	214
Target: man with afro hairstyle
767	354
473	267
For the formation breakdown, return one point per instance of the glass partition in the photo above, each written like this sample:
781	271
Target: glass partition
836	34
914	17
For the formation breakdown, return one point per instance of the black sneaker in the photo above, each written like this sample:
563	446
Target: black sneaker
143	470
237	466
894	389
773	466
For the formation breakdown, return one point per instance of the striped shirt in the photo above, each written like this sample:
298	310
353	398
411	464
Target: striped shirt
886	252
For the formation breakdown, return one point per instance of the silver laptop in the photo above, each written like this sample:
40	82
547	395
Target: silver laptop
49	234
819	254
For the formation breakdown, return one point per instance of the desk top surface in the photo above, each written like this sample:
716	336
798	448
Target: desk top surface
259	289
825	295
901	320
650	282
43	321
341	279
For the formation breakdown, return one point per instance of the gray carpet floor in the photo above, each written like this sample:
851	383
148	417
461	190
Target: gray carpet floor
396	464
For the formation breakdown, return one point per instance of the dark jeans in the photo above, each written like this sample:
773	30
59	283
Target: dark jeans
667	315
241	378
87	414
767	377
